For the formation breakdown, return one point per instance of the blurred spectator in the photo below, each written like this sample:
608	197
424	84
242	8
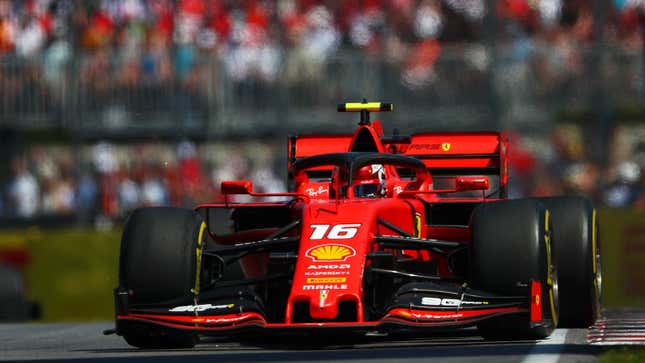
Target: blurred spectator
190	173
87	196
581	178
58	197
57	56
24	191
128	192
623	192
104	158
523	166
154	191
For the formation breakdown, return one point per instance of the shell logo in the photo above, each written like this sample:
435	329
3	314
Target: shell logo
330	252
445	146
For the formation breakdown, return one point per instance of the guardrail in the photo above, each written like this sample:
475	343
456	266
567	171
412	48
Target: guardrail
467	86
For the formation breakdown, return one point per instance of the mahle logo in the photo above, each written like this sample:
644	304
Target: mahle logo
330	252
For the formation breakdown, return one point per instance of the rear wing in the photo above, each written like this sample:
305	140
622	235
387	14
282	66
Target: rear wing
457	150
460	153
443	153
309	145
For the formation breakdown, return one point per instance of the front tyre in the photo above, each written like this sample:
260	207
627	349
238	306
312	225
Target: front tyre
160	260
575	239
150	337
510	247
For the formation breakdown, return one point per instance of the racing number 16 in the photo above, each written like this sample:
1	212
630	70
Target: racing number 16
338	231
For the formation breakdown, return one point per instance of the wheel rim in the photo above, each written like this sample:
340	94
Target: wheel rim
597	283
552	272
555	295
598	278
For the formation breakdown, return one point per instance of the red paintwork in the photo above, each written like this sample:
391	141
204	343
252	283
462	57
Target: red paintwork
310	145
458	233
486	144
492	147
536	301
217	322
427	316
236	187
343	212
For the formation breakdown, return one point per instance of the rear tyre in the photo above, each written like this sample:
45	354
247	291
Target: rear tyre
160	259
511	247
575	241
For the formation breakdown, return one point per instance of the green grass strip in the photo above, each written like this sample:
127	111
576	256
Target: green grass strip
623	355
72	272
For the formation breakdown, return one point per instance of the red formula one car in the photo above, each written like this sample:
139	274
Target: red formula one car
377	234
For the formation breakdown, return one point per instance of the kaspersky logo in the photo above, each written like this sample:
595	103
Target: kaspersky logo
330	252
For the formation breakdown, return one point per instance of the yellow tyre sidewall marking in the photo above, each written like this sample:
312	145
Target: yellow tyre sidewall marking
198	257
417	225
549	278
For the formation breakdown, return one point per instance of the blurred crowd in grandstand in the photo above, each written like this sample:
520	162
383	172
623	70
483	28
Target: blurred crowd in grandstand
115	178
159	41
146	28
156	42
112	179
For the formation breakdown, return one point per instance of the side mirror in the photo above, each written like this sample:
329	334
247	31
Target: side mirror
471	183
237	187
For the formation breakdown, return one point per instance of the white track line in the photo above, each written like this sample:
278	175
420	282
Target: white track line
622	342
541	354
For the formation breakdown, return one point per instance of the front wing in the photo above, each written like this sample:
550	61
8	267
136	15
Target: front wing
417	310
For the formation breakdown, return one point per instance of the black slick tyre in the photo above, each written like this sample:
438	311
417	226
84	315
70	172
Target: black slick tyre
146	337
575	240
160	260
511	247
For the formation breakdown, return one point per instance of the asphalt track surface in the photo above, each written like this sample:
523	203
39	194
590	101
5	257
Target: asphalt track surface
84	342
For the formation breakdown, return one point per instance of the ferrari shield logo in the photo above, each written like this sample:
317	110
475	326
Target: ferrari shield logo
445	146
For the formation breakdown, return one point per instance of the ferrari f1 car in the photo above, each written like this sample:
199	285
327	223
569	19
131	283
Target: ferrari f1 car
376	234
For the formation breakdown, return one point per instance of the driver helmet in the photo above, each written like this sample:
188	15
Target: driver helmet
369	182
